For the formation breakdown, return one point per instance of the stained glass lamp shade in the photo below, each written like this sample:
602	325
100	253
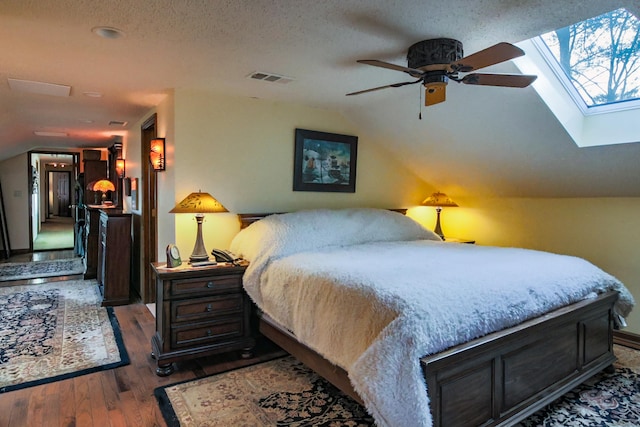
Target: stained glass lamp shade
102	186
199	204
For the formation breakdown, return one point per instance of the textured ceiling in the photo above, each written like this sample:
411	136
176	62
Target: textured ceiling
481	141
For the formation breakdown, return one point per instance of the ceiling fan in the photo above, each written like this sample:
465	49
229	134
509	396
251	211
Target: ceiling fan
434	62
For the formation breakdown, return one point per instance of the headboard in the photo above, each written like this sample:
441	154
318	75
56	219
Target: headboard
248	219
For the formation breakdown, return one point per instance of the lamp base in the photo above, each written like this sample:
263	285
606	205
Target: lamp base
438	230
199	252
198	258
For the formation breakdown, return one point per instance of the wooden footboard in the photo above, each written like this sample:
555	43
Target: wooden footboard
506	376
503	377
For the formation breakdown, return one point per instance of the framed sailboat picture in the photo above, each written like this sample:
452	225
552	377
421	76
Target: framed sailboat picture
324	162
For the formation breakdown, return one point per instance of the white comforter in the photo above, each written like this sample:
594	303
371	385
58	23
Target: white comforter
375	308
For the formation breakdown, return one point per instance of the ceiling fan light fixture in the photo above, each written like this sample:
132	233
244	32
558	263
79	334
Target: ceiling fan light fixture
435	93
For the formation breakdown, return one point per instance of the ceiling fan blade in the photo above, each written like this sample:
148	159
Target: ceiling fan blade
435	94
492	55
507	80
384	87
411	71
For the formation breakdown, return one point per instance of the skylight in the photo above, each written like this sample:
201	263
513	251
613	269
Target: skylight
595	93
599	57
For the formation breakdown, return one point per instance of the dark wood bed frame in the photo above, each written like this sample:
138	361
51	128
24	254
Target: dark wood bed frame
501	378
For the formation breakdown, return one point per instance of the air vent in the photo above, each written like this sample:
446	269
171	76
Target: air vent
117	123
270	77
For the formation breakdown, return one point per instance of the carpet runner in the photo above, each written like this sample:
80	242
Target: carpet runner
37	269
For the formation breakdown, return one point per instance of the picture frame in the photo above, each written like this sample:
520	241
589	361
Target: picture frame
134	193
324	162
126	183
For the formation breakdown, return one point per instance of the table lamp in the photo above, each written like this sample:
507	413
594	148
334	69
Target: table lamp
439	200
102	186
199	203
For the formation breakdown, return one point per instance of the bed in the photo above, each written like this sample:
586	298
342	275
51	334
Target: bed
424	332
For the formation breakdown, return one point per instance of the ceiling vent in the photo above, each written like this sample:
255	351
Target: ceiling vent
270	77
117	123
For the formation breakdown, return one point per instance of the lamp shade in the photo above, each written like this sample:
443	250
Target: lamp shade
199	203
102	185
439	199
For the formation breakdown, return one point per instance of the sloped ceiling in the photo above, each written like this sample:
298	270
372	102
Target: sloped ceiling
481	141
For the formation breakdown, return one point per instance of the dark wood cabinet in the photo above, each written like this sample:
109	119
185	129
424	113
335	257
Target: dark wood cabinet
94	170
199	312
114	256
92	228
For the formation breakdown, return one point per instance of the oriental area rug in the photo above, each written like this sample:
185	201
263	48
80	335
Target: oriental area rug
283	392
54	331
38	269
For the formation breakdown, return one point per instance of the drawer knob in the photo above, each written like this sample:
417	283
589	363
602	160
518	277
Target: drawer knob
209	333
209	308
209	284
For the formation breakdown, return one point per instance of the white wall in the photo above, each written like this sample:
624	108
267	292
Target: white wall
15	190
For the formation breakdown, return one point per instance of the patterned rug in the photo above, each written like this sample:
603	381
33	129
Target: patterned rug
55	331
37	269
285	393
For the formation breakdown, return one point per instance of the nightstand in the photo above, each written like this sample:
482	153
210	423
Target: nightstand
455	240
199	312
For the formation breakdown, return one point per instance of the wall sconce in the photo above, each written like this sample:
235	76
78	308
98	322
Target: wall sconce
156	154
120	167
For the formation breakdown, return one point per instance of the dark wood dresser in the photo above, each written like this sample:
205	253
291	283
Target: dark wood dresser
91	239
114	256
199	312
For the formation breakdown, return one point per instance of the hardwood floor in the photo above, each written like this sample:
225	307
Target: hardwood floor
117	397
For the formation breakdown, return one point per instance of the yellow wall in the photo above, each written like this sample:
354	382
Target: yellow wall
604	231
240	150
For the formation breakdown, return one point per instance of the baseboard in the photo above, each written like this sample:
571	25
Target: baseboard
627	339
14	252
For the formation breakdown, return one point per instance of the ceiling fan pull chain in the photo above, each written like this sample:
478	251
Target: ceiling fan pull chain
419	103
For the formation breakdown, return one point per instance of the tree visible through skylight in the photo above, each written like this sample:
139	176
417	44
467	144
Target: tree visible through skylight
600	57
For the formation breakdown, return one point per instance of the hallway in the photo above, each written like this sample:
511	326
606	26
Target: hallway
55	233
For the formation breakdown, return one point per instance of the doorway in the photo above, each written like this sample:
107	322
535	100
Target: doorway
51	205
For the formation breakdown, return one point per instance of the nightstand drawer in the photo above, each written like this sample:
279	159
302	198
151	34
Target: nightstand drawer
206	285
207	333
206	308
